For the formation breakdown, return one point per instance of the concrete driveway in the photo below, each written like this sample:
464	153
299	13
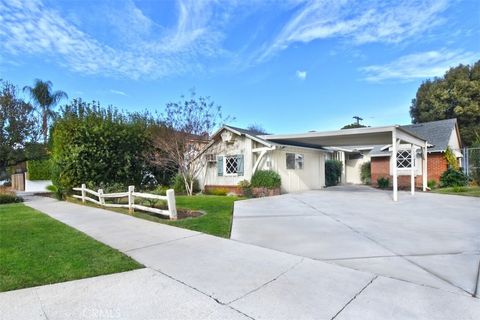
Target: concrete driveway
426	239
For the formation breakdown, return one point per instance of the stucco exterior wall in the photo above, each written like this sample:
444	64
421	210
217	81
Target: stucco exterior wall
353	169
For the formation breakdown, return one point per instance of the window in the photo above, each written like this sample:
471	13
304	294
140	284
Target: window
231	165
294	161
404	159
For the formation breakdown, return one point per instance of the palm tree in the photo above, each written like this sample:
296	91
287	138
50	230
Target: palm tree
46	99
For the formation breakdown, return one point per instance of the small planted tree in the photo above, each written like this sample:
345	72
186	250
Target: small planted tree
182	132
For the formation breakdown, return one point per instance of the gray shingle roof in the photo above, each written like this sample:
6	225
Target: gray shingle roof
437	134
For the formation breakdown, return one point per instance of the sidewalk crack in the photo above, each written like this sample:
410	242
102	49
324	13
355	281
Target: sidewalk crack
268	282
354	297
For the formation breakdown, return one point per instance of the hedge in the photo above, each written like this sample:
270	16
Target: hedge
333	172
266	179
39	169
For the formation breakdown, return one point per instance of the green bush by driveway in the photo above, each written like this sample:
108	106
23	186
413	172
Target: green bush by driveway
37	250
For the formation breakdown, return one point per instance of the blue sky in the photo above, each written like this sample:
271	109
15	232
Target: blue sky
290	66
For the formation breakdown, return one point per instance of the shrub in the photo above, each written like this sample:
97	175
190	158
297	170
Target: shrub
178	184
217	191
366	173
432	184
451	159
39	169
453	178
57	192
333	172
383	182
266	179
246	187
161	190
9	197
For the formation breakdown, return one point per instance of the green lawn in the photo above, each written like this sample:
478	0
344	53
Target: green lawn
461	191
36	250
216	221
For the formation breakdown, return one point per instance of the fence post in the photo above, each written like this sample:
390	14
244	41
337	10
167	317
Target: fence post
83	192
131	200
100	197
172	208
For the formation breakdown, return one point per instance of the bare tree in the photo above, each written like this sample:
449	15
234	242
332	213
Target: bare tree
183	131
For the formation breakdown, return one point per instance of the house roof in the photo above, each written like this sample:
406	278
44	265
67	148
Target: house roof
437	134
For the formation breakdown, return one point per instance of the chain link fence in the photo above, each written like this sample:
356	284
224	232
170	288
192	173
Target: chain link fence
471	162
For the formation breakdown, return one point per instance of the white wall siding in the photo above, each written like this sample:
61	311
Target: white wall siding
241	145
312	176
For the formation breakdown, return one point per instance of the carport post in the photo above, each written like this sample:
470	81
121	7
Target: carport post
425	167
394	163
413	155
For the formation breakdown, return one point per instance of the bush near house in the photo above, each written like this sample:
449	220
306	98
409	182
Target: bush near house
39	169
333	172
266	179
453	178
178	184
246	188
383	182
432	184
366	173
217	191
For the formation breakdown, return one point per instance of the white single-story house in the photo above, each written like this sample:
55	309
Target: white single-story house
234	154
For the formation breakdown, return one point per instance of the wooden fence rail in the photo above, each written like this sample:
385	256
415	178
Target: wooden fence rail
131	195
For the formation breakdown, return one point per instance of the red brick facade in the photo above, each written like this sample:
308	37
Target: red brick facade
380	167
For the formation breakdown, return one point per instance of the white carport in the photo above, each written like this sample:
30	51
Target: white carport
394	135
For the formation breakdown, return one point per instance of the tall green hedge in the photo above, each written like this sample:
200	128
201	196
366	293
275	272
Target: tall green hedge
333	172
99	146
39	169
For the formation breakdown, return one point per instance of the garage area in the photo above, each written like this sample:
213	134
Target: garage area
427	239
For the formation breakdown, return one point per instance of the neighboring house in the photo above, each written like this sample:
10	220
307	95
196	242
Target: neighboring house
234	154
439	135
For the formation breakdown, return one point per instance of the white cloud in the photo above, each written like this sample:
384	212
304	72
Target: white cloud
302	75
419	65
357	21
29	27
118	92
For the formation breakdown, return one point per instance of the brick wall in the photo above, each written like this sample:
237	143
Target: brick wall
436	166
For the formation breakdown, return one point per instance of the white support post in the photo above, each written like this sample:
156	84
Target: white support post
394	163
83	192
424	168
100	197
413	155
131	200
172	208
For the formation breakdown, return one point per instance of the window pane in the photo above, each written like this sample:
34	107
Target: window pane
404	159
231	165
290	160
298	161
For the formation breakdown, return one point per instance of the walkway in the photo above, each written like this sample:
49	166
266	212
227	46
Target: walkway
196	276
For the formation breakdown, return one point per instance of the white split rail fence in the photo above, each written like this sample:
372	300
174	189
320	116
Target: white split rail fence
131	195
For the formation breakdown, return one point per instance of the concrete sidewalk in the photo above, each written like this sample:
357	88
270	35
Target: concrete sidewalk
193	275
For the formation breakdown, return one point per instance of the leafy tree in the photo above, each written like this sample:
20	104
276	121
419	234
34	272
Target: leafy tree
353	126
46	99
17	126
455	95
256	129
183	132
99	146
